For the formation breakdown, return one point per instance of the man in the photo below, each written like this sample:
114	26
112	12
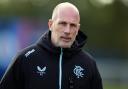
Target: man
56	61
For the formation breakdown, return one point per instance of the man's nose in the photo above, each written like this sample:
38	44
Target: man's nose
67	29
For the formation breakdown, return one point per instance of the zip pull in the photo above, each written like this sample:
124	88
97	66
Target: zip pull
60	69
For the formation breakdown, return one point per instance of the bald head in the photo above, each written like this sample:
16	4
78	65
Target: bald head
63	8
64	25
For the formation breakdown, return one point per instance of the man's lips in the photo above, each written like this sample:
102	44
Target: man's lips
66	39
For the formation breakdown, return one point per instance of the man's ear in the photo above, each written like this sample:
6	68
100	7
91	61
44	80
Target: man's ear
78	26
50	22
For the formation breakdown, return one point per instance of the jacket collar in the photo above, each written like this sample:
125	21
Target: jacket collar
45	42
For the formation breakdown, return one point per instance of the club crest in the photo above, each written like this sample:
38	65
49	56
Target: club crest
78	71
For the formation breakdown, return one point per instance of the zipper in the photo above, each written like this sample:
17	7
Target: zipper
60	69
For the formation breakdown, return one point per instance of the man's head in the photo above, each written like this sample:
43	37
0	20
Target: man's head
64	25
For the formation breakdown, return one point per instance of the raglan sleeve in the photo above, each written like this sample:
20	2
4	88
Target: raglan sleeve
13	77
96	78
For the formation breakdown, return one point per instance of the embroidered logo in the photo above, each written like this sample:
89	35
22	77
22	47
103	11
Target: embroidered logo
29	52
78	71
40	71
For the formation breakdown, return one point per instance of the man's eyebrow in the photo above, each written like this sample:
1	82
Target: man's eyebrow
62	22
73	24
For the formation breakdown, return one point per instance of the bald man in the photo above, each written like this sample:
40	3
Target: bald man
57	60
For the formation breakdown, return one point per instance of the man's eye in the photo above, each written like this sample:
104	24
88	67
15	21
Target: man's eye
73	25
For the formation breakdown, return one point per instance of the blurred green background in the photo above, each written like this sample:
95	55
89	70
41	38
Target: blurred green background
105	22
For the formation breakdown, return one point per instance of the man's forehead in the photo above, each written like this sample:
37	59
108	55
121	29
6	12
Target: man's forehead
68	14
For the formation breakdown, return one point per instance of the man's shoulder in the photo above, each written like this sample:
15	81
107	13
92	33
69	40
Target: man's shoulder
27	51
87	56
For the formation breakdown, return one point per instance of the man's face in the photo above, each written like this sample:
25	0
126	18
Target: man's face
64	28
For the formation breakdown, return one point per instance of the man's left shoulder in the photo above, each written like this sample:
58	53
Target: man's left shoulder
86	56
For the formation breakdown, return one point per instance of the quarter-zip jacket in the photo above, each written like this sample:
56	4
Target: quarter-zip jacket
44	66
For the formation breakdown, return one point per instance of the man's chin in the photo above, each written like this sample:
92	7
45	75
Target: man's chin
65	45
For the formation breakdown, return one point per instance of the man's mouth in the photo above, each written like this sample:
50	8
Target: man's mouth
66	39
